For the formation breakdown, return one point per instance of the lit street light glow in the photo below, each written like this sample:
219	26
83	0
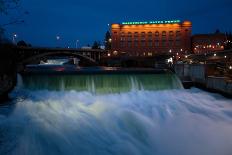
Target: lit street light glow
14	38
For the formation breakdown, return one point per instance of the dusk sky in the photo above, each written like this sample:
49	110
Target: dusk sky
87	20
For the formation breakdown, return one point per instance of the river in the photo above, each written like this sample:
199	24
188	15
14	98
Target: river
113	115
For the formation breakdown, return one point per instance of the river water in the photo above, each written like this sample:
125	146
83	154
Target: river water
114	115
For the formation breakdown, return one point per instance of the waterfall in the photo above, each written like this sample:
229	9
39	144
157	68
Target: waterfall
102	83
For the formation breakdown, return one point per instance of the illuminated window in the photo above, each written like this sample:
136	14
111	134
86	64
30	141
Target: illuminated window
143	36
171	33
164	33
150	36
157	34
136	36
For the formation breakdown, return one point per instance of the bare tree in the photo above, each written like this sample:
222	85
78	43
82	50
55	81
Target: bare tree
6	5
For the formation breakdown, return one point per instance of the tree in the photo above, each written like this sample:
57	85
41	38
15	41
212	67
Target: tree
96	45
22	43
108	40
6	5
1	34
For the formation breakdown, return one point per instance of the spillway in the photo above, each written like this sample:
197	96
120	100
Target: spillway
126	114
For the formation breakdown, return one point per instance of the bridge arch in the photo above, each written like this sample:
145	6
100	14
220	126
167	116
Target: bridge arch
41	56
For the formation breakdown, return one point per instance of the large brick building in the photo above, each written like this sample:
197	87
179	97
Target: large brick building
206	43
151	38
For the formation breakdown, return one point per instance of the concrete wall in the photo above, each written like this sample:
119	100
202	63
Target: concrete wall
203	74
197	73
220	84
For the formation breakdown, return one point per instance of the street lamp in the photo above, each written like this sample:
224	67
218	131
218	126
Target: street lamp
57	39
77	41
14	38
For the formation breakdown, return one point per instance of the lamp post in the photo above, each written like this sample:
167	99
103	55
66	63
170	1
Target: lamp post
77	41
57	39
14	38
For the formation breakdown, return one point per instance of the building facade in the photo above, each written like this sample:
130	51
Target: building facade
206	43
151	38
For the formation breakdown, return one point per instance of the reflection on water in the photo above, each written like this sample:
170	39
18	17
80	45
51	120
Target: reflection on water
135	122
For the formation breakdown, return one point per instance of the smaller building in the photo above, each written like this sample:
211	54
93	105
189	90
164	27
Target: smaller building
207	43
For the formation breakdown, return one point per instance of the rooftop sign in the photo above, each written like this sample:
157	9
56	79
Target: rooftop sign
152	22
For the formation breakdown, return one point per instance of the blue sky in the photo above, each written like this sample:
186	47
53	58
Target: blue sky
86	20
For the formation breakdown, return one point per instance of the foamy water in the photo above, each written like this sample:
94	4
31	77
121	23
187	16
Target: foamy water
114	115
172	122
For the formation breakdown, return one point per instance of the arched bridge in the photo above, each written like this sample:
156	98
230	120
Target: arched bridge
27	55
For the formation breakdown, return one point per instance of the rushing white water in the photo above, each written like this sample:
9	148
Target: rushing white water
167	122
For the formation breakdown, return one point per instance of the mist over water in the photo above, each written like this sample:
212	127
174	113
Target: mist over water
138	119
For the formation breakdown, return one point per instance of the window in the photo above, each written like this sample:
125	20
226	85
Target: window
129	36
136	43
150	36
150	43
171	43
122	36
143	44
163	43
129	44
122	44
164	33
136	36
157	43
143	36
171	33
178	35
157	34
